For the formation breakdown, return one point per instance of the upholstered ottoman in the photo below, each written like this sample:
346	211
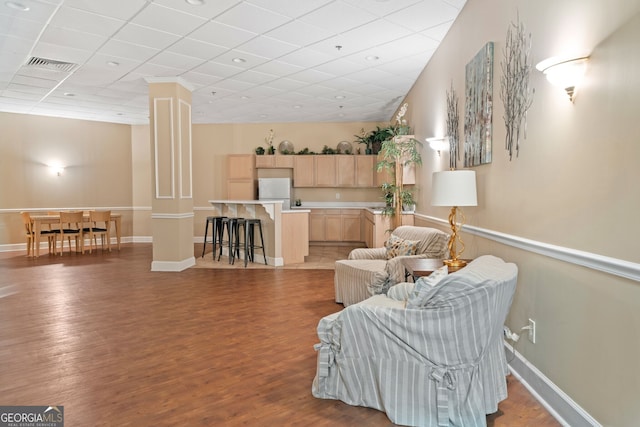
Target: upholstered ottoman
356	279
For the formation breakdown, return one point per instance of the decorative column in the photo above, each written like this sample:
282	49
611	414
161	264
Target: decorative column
172	195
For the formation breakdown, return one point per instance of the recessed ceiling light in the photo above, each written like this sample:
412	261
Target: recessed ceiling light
371	58
69	94
297	106
195	2
17	6
339	97
113	63
239	60
244	97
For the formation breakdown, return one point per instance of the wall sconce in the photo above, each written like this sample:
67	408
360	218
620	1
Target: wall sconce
438	144
565	73
56	169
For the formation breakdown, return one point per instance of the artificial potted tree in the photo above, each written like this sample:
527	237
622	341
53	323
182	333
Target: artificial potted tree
398	151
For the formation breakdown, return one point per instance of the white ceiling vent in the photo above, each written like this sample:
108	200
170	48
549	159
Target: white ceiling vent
50	64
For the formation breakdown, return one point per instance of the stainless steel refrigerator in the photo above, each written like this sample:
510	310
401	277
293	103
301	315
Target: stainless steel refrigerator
275	189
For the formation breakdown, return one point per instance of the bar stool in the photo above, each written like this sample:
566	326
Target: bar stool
216	230
231	225
249	246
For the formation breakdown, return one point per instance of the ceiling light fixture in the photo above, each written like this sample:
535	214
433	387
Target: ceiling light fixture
16	6
371	58
239	60
297	106
195	2
339	96
113	64
69	94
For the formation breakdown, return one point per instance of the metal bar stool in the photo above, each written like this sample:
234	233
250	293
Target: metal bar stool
231	225
216	230
249	246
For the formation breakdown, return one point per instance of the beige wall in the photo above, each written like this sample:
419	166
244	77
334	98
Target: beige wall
97	174
109	166
573	185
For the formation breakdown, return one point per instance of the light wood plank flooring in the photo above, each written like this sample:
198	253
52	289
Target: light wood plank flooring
119	345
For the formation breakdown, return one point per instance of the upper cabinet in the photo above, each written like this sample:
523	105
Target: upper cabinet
334	171
241	177
241	166
274	161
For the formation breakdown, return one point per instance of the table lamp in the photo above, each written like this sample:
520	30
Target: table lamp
454	188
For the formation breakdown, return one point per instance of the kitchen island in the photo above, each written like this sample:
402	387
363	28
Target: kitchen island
286	231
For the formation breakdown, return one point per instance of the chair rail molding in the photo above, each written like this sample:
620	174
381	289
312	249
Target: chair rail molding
610	265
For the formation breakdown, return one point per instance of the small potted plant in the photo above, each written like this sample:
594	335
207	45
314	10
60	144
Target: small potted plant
259	151
365	139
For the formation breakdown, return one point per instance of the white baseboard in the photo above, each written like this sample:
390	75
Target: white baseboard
173	265
558	403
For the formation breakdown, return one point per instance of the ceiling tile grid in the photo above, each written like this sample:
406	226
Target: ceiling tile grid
247	60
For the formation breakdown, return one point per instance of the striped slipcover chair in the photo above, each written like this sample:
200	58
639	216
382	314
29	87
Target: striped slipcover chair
439	364
368	271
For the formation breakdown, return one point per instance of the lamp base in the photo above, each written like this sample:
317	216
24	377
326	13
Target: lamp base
455	263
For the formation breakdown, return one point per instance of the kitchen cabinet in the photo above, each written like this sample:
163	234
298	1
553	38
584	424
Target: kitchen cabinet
241	177
364	171
295	237
346	171
325	170
303	171
335	225
274	162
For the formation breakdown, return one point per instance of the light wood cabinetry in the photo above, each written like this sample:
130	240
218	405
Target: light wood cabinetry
345	171
334	171
274	162
335	225
303	171
364	171
325	171
241	177
295	237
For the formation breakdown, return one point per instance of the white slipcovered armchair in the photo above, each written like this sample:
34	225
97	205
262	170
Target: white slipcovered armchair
435	360
367	271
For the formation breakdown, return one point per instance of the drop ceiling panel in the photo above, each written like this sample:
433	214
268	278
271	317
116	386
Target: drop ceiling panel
169	20
80	20
255	19
119	9
222	35
144	36
289	48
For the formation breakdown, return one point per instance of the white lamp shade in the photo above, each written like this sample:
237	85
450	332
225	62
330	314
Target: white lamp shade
454	188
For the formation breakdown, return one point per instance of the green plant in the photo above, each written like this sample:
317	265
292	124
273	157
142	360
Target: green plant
328	150
399	150
365	139
260	150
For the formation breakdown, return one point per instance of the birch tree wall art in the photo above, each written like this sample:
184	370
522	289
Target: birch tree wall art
478	108
515	92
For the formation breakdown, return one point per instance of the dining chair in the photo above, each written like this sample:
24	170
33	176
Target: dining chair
99	225
31	235
71	226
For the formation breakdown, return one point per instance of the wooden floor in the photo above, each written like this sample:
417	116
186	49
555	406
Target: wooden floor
119	345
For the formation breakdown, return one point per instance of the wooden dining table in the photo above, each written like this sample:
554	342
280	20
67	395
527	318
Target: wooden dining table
40	220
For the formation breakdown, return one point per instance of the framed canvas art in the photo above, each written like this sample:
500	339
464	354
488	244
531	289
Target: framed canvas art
478	108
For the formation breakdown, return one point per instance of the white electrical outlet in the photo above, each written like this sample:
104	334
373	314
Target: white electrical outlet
532	331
